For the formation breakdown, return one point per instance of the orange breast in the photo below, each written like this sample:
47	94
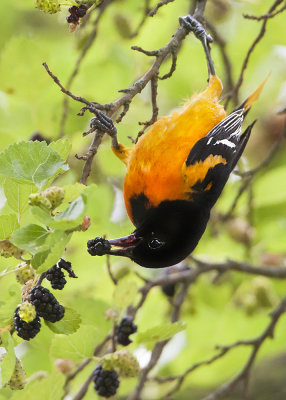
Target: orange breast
155	163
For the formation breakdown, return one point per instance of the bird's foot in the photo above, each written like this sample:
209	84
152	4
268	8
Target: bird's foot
190	24
103	122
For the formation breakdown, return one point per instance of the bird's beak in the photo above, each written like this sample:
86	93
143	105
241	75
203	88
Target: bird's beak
123	246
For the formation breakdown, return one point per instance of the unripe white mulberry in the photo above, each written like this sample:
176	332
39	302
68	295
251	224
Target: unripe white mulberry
18	379
25	273
48	6
27	312
55	195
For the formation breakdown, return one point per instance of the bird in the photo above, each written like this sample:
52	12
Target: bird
176	171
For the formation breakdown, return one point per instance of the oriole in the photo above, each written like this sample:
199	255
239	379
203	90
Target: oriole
176	172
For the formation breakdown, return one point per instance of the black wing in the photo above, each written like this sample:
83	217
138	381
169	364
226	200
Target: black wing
223	140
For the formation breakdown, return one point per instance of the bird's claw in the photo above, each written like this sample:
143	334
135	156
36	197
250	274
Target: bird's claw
104	123
192	25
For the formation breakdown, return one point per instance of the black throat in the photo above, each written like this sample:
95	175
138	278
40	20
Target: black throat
179	223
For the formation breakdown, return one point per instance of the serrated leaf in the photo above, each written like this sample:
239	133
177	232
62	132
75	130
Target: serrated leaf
36	163
124	294
30	238
48	388
62	147
8	224
159	333
76	347
8	363
72	216
17	195
69	324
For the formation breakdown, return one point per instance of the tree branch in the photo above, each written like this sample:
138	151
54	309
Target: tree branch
250	51
255	343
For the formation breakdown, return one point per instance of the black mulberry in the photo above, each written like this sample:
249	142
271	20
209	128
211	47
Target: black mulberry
46	304
57	278
105	382
124	329
26	330
98	246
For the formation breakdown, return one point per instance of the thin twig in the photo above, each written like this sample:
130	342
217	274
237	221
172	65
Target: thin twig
265	16
84	388
250	51
173	67
159	346
159	5
143	19
244	374
155	109
112	277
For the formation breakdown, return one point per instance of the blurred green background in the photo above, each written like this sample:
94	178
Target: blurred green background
215	313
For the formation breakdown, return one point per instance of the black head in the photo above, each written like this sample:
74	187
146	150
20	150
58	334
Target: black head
167	235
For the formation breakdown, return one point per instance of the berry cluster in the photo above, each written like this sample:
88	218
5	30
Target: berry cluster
105	382
56	276
46	304
26	330
76	13
98	246
124	329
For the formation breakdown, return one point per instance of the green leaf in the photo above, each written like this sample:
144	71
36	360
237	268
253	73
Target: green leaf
31	162
48	388
71	217
76	347
57	244
69	324
159	333
39	258
30	238
17	195
8	307
264	192
43	216
92	312
72	192
8	363
8	224
62	147
124	294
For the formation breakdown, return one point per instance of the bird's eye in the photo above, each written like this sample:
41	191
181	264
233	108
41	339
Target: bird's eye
155	244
